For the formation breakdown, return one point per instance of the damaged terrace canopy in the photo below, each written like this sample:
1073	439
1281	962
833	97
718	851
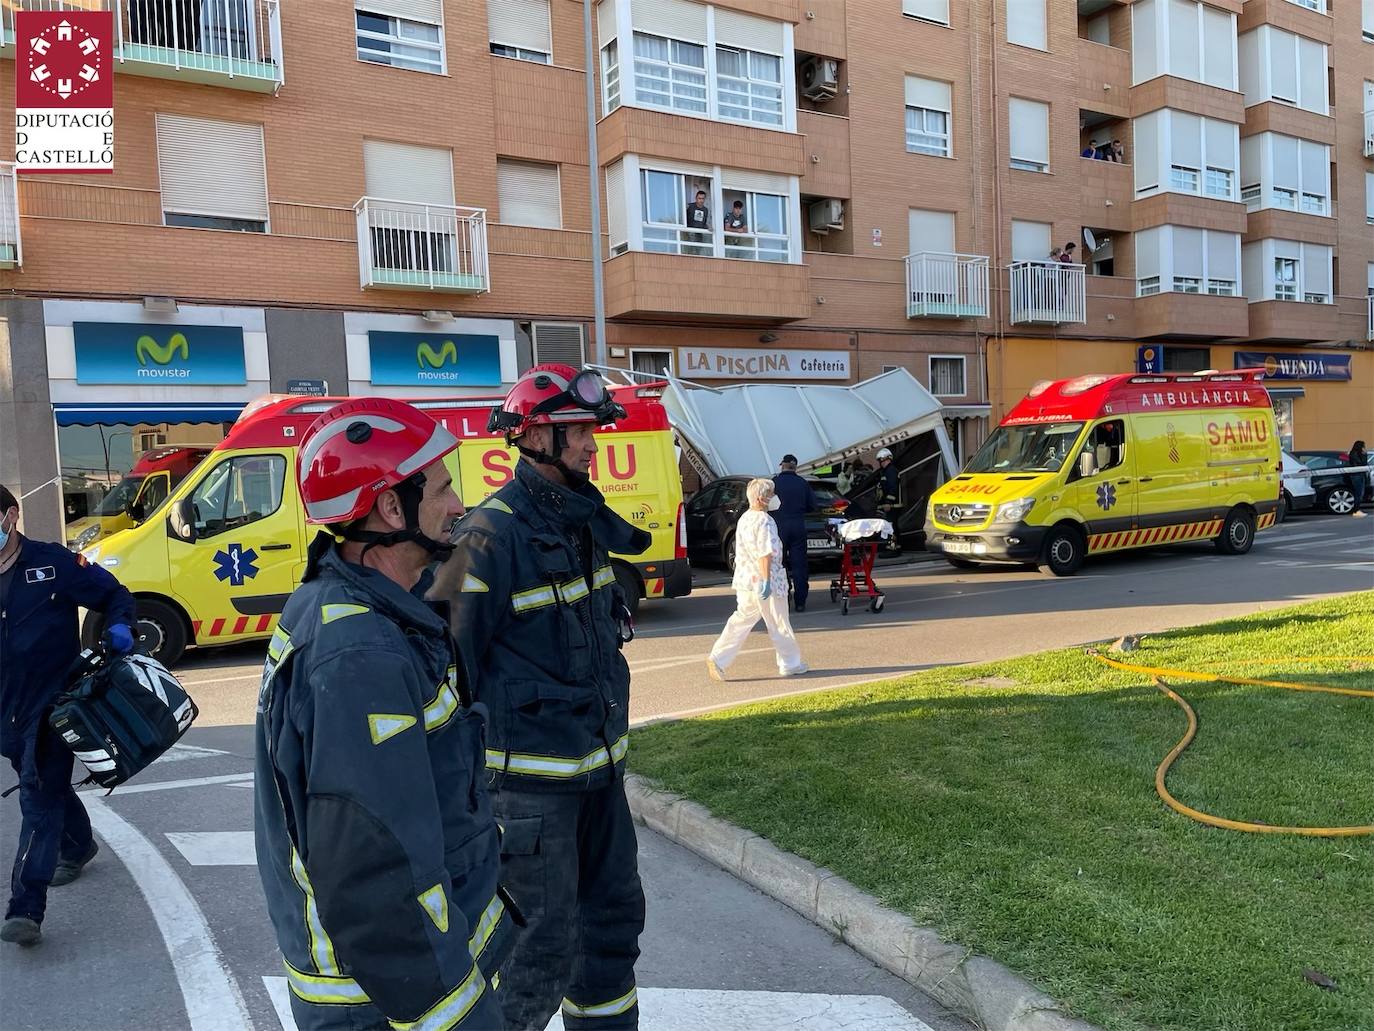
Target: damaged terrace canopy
745	430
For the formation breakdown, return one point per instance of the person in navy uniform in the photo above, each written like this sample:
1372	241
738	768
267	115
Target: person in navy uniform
797	499
41	587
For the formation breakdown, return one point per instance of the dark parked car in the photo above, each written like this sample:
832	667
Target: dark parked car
1335	491
714	510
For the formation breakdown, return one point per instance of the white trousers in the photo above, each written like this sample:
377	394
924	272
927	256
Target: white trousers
749	610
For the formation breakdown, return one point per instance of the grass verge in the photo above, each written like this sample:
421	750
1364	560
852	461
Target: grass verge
1012	806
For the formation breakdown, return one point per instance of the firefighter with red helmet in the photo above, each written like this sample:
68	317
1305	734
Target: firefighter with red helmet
377	847
540	618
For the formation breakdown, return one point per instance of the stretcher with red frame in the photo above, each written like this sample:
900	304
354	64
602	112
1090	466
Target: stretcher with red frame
861	539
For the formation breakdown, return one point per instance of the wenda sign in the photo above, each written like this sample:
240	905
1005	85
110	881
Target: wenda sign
138	352
64	91
1309	365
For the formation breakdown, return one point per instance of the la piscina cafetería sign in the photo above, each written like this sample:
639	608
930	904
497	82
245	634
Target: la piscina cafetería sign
64	91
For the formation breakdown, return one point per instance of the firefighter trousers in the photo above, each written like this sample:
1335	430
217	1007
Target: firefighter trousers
54	824
570	861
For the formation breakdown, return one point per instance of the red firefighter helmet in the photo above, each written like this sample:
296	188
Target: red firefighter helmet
359	449
554	395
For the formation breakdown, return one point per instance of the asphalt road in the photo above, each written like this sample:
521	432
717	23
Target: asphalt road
167	929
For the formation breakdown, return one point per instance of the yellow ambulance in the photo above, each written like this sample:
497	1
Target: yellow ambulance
229	548
1099	464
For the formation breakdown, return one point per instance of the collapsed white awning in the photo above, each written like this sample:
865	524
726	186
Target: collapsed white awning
744	430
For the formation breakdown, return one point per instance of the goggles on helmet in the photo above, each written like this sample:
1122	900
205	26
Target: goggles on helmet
585	395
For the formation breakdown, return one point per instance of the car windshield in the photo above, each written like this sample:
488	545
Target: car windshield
117	501
1026	449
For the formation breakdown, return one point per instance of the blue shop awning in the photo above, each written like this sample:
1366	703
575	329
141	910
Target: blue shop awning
111	414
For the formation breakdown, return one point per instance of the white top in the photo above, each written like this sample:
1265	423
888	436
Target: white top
756	535
858	529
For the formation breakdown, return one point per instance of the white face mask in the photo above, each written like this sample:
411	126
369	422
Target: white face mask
774	503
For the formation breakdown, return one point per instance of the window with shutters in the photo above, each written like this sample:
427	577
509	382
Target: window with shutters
749	86
755	225
651	363
402	33
1026	25
1285	68
610	77
1187	260
414	226
670	73
1286	270
1186	39
927	117
947	375
1029	122
519	29
1285	172
1367	16
934	11
557	342
1187	153
677	213
213	174
529	194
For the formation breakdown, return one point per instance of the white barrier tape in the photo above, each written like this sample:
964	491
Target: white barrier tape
1307	474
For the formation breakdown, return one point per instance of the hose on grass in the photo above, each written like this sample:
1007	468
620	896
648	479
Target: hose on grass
1161	772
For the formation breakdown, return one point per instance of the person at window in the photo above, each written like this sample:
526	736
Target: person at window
698	214
737	221
1116	152
1092	150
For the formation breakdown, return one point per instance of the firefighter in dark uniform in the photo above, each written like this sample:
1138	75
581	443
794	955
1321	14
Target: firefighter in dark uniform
41	587
795	499
888	486
538	613
377	848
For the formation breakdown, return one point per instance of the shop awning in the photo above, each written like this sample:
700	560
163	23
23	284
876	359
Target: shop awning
1286	393
71	413
746	429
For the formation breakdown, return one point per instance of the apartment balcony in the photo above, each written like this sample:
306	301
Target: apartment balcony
946	286
1294	321
1369	134
405	246
1104	78
685	288
231	43
1108	190
1196	316
11	245
1048	293
1369	317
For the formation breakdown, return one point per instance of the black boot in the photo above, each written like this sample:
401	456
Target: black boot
69	870
21	931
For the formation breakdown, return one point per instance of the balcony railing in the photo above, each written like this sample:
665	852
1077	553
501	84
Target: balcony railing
1369	133
11	246
1048	292
234	43
949	286
1369	317
407	246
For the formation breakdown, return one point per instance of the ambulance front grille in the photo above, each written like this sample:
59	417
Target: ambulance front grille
962	515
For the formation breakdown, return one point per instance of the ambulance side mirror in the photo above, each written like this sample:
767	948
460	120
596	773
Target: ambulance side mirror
1087	464
181	521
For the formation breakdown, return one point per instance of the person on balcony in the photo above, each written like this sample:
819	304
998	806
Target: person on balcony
1092	150
1068	255
736	222
1117	152
698	214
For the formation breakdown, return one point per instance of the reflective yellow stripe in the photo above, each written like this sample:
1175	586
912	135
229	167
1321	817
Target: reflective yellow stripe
496	503
449	1011
603	577
325	991
441	709
330	613
280	643
554	767
486	926
606	1009
321	948
574	590
538	597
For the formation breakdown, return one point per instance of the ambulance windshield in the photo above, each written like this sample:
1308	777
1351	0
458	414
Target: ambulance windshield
118	500
1026	449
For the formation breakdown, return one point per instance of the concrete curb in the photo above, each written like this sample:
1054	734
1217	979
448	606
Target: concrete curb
974	987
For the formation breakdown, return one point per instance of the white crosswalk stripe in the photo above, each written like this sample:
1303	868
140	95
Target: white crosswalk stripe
215	848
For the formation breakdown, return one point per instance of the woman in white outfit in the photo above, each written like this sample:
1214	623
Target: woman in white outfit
760	588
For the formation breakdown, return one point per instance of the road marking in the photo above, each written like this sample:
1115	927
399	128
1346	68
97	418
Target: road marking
180	753
231	779
220	680
213	1001
215	848
694	1009
655	665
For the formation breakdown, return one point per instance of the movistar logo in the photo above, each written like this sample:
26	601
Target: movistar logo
426	355
147	348
162	355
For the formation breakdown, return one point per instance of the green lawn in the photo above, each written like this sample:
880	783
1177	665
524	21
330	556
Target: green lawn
1021	819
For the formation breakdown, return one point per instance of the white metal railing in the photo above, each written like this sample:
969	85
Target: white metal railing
208	40
1369	317
1369	133
11	245
941	285
1048	291
422	246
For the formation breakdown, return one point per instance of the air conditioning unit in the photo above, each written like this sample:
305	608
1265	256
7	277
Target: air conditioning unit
820	78
826	215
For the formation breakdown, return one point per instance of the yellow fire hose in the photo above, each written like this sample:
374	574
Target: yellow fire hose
1162	771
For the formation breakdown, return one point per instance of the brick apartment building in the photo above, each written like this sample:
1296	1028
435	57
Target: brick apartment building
317	190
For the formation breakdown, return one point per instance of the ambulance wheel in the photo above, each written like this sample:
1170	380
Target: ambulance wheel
161	630
1064	551
1237	533
629	586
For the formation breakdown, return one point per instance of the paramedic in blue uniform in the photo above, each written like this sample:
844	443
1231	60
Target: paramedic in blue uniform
41	587
540	615
377	849
796	499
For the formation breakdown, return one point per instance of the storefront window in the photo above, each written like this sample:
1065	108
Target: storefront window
1283	419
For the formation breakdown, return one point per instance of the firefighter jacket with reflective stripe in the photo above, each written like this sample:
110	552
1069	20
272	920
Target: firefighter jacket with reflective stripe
535	604
39	638
377	847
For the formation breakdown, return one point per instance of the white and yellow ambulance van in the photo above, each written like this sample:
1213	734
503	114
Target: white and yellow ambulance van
230	544
1100	464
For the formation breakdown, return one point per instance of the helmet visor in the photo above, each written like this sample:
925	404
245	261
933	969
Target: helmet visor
588	390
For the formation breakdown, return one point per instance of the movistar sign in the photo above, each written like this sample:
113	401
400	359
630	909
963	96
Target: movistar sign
139	352
434	359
